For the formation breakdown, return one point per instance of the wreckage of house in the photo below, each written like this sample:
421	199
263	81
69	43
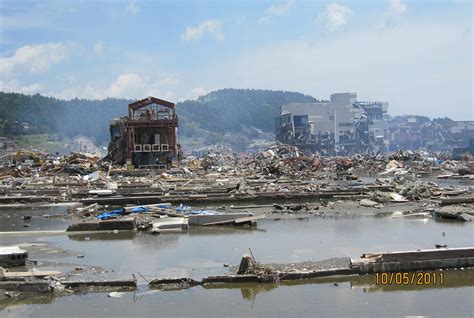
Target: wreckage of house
341	126
146	138
440	134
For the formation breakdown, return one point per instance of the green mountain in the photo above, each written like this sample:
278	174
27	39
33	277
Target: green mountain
209	118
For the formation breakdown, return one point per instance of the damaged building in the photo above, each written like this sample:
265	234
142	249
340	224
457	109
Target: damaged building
440	134
341	126
146	138
7	151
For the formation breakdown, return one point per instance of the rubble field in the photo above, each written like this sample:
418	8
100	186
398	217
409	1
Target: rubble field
281	179
224	189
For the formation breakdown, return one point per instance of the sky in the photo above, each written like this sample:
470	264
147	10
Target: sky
416	55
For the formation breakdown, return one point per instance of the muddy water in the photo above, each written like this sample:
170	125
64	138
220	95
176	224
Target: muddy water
42	218
203	251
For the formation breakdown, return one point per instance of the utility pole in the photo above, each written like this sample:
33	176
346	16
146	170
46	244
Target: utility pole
335	132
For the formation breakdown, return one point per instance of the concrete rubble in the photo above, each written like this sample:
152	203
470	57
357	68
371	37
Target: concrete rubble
12	256
224	189
280	174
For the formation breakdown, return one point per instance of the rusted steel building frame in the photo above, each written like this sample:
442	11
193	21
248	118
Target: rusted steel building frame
166	126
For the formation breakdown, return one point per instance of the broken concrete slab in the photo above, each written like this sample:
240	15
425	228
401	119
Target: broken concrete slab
318	273
465	217
246	278
12	256
129	283
173	283
105	225
174	223
35	286
201	219
30	274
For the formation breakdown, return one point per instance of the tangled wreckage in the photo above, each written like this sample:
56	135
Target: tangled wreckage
279	174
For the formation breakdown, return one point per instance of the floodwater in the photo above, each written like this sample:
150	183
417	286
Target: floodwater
202	251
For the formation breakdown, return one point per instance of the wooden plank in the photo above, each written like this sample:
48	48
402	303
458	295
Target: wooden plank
235	221
456	200
219	223
249	219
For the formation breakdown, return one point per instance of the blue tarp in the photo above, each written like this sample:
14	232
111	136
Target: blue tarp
202	212
140	209
121	211
182	208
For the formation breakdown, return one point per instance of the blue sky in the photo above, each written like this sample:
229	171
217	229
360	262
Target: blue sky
417	55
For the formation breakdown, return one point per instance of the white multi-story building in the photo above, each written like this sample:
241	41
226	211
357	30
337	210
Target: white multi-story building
340	126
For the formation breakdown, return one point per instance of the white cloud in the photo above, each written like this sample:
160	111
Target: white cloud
276	10
198	91
68	93
336	15
395	9
14	86
390	64
37	58
127	85
132	8
98	47
211	27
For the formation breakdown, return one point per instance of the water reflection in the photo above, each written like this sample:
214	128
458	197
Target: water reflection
248	291
25	299
300	297
103	236
366	283
33	219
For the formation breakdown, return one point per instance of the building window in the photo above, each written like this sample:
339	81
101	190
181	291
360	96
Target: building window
300	121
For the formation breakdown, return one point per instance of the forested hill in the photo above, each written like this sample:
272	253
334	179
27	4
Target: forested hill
24	114
234	109
226	110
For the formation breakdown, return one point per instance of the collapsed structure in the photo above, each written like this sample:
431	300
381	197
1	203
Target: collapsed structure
341	126
344	126
440	134
146	138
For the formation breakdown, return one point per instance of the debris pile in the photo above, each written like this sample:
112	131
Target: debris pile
153	218
74	164
281	171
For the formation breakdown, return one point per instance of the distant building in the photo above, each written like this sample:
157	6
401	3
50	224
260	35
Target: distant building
7	145
80	144
410	132
441	134
377	115
341	126
7	151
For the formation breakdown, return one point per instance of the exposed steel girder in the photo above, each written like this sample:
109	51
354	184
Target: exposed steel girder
148	101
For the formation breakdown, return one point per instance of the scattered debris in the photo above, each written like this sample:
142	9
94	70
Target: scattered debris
116	294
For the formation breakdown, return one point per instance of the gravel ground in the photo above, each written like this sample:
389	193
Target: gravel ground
338	262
